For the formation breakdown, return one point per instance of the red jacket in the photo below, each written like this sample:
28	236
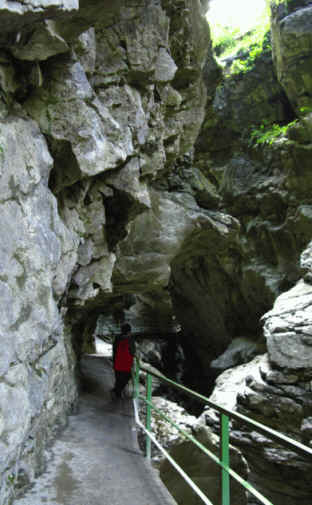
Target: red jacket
123	354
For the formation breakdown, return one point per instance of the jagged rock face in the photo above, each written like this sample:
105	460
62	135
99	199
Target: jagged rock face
98	102
241	100
288	329
17	18
291	43
276	398
37	256
200	287
221	291
275	389
266	187
241	350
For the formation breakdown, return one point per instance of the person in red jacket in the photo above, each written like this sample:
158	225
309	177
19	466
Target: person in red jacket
123	356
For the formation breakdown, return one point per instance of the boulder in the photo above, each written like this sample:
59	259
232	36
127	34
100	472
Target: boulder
277	398
288	329
241	350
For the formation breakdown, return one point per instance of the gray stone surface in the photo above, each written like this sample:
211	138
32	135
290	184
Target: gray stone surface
288	328
306	263
43	43
17	16
67	109
35	366
265	186
291	43
85	47
275	397
156	237
240	350
98	81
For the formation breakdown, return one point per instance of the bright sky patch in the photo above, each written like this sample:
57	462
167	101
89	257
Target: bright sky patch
242	14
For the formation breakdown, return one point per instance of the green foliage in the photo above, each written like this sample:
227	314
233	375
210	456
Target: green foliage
306	110
278	2
232	40
224	38
256	44
267	133
243	47
40	371
11	479
240	67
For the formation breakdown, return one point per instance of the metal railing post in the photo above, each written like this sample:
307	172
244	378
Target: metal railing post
148	414
225	459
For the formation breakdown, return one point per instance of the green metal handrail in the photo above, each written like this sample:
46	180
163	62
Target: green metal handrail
225	415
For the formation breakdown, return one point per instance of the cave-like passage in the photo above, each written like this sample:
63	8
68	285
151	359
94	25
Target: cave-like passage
96	459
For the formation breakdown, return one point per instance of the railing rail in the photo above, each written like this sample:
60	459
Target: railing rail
225	416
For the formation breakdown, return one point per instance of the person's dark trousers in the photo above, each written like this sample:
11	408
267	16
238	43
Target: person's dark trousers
121	380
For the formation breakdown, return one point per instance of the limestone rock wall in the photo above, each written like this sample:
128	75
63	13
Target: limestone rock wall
277	392
37	256
227	286
222	293
275	237
291	45
97	102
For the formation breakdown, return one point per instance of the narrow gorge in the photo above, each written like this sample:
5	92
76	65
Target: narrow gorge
144	179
